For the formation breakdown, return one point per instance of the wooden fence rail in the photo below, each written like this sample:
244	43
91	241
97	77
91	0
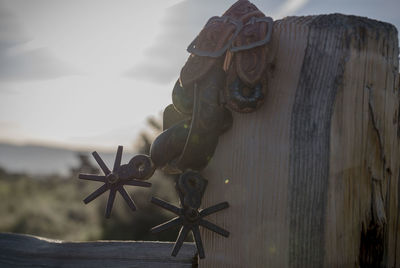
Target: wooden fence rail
17	250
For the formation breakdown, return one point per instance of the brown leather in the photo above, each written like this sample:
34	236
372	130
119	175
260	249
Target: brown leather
249	65
240	9
213	37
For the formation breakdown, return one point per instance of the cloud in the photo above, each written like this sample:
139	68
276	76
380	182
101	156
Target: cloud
18	63
31	65
10	129
11	33
290	7
164	59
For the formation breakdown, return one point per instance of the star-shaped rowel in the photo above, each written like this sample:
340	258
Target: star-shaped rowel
140	167
190	217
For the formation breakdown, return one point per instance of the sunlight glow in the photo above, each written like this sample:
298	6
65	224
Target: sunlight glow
96	104
88	73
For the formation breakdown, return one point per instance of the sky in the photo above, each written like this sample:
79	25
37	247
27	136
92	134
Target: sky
87	74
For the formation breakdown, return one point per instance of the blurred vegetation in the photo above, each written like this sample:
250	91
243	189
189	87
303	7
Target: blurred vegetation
52	206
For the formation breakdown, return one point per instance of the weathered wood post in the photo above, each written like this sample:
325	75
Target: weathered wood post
313	176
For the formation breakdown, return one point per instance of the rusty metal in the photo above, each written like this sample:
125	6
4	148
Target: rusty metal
191	186
243	97
139	168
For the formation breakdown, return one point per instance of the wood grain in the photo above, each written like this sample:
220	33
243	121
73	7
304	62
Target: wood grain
313	176
18	250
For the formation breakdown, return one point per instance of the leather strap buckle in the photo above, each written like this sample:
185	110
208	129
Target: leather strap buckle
262	42
215	54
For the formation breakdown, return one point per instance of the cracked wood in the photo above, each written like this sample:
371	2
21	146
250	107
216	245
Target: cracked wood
313	176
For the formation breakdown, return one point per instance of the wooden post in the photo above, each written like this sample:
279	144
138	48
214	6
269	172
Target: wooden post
313	176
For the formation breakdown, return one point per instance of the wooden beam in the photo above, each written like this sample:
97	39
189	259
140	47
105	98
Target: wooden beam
313	176
17	250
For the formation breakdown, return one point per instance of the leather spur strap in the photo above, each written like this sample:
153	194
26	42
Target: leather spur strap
249	60
245	62
211	43
239	37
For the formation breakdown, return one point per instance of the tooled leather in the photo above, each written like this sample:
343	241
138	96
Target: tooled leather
240	9
212	38
249	65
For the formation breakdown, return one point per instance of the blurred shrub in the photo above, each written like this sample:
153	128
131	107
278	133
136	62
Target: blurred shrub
52	206
49	207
